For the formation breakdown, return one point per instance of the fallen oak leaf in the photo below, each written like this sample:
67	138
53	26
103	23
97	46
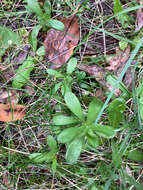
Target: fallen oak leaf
11	112
59	45
100	76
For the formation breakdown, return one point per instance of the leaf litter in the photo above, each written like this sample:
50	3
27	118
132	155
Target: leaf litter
59	46
9	109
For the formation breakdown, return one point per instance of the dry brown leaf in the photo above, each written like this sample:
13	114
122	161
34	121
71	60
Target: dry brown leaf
94	70
139	18
5	179
9	96
59	45
117	91
11	112
20	58
100	93
117	62
127	80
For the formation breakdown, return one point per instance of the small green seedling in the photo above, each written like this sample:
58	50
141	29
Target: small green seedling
22	75
47	157
66	80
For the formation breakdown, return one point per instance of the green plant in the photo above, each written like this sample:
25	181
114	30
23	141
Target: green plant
66	79
47	157
123	18
22	75
75	137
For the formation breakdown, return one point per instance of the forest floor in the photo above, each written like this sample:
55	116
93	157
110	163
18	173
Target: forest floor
71	89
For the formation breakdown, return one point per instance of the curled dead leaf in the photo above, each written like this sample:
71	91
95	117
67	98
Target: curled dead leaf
11	112
59	45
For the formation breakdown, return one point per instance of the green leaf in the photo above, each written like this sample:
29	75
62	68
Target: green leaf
33	37
74	105
136	155
54	73
115	111
34	155
47	7
68	134
7	38
123	18
56	24
34	7
112	80
42	157
93	140
54	165
23	73
73	151
104	131
123	45
71	65
52	143
56	87
116	155
41	51
93	187
64	120
93	110
141	106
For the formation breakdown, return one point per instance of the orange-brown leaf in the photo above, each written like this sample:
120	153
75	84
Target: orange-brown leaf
59	45
11	112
